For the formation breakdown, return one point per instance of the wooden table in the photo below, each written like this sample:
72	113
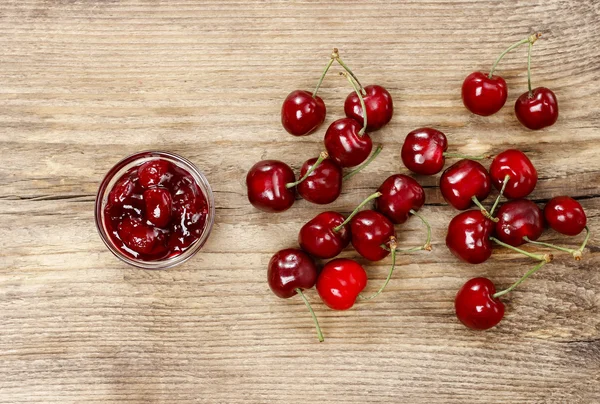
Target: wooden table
84	83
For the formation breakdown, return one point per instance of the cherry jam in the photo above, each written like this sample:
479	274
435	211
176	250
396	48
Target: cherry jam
155	211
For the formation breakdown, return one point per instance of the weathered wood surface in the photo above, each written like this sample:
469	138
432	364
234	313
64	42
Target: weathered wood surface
84	83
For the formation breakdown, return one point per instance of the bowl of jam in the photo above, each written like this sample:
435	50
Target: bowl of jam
154	210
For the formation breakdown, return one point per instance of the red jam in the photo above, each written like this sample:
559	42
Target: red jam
155	211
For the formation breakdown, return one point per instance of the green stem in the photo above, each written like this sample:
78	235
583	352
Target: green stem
484	211
312	313
576	253
355	211
463	156
322	156
545	257
531	39
529	69
427	245
495	205
347	69
366	163
362	102
387	280
314	94
517	283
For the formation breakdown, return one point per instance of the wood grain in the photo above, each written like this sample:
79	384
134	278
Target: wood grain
85	82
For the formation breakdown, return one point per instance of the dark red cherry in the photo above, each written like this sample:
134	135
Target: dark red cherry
483	95
379	104
423	151
370	231
154	173
138	236
301	113
122	191
158	206
468	236
340	282
266	182
399	194
565	215
464	180
324	184
476	306
517	219
538	110
291	269
344	143
522	173
319	239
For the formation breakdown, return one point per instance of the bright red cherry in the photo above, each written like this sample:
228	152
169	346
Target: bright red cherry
324	184
423	151
370	231
468	236
141	238
399	195
319	238
522	174
475	304
291	269
464	180
378	103
345	143
565	215
267	186
482	94
538	109
158	206
301	113
154	173
517	219
340	282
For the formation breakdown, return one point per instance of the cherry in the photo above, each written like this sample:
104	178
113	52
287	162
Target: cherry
423	151
289	272
158	206
378	103
138	236
340	282
475	304
463	181
371	231
302	113
324	184
188	209
468	236
154	173
267	183
401	195
346	142
484	94
537	109
519	221
565	215
522	175
122	191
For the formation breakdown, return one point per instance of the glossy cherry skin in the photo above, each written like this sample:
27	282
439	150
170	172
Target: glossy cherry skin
517	219
399	194
266	182
468	236
301	113
476	306
565	215
370	230
463	180
344	145
423	151
324	184
340	282
379	104
483	95
291	269
154	173
318	238
158	206
523	175
538	111
141	238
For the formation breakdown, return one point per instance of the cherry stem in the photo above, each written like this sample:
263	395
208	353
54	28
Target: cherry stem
576	253
426	246
366	163
517	283
312	313
336	56
529	69
497	201
393	246
314	94
484	211
531	39
322	156
464	156
362	102
545	257
355	211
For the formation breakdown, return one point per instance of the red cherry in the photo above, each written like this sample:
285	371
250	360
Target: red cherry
291	269
370	230
517	219
538	110
399	195
476	306
266	182
340	282
158	206
318	237
378	103
122	191
138	236
468	236
522	174
344	143
464	180
324	184
189	207
565	215
484	95
154	173
423	151
301	113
